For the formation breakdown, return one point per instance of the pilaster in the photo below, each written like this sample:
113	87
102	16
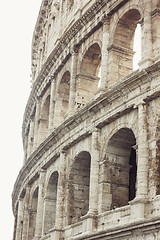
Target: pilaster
94	173
72	94
138	204
30	137
39	217
52	104
15	225
26	214
104	54
19	220
37	117
147	49
142	167
56	232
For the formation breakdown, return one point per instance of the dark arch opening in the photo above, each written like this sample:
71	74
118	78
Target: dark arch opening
62	99
88	79
79	187
32	215
44	120
50	202
122	49
122	168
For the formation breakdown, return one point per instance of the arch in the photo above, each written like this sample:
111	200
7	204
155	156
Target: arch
121	51
79	180
33	214
88	78
44	119
62	98
50	203
121	168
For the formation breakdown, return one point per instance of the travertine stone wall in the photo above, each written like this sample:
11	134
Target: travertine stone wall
91	128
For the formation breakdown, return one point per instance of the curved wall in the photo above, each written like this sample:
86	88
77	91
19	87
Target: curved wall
91	124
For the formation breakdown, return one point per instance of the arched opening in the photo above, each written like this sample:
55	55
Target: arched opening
121	52
79	187
87	80
137	47
32	215
62	99
121	168
50	203
44	120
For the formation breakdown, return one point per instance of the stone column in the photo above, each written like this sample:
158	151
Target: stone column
147	45
30	137
15	225
138	203
156	30
25	148
19	220
60	190
39	217
26	214
89	220
56	234
104	60
52	105
72	93
94	173
37	117
142	167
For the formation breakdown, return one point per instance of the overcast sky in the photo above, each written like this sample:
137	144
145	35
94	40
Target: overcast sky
17	21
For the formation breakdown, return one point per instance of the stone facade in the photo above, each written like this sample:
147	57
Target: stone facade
91	128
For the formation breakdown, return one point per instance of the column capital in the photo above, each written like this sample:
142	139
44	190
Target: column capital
96	129
42	171
73	50
53	77
140	103
63	151
106	20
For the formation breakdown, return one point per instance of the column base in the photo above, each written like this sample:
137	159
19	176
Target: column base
89	222
138	207
56	233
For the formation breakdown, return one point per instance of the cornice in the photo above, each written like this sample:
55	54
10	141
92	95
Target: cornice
136	80
61	53
62	47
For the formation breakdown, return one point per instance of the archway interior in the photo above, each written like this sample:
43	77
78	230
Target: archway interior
123	43
44	119
122	169
63	95
32	215
50	203
137	47
79	186
87	80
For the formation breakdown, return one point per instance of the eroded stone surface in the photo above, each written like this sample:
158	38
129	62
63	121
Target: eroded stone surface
91	129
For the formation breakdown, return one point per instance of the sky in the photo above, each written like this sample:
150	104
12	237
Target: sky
17	22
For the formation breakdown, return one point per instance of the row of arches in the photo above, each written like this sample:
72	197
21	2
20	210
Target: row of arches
89	77
117	173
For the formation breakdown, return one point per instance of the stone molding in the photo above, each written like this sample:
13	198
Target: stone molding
61	53
118	91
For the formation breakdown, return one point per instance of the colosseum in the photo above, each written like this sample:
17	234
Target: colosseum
91	127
